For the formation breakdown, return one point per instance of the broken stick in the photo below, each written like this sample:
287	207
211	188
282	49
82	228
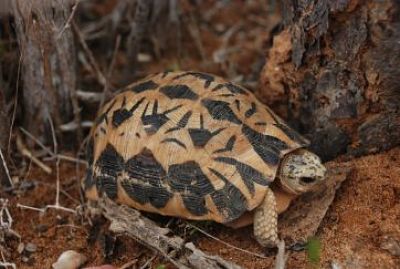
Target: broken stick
180	253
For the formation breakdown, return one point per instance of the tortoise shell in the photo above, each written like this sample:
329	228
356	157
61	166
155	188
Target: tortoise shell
187	144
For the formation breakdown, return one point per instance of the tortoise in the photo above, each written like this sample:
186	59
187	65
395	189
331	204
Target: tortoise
193	145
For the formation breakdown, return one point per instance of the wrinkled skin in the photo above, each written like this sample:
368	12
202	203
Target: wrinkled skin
298	173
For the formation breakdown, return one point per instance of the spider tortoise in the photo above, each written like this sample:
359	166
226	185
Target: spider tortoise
192	145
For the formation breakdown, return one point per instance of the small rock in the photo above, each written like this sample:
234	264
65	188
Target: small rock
335	265
25	259
30	247
106	266
70	259
392	245
42	228
144	57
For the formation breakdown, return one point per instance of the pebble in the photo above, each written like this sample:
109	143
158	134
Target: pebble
106	266
25	259
30	247
42	228
70	259
392	245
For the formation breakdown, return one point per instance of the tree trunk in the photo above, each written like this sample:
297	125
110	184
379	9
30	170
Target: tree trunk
4	133
48	64
333	73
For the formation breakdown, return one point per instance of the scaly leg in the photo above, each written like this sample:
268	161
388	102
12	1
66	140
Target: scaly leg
266	221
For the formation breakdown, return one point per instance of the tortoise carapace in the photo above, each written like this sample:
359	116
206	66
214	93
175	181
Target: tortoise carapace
192	145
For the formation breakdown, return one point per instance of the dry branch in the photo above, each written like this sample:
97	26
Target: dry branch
183	255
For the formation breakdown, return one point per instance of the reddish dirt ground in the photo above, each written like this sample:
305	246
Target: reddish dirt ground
364	215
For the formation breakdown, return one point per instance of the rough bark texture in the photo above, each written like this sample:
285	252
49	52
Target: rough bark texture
333	74
48	63
4	133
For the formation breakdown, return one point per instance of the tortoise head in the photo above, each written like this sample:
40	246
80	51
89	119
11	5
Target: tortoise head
300	171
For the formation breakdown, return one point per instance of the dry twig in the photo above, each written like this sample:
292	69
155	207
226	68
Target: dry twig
68	22
56	205
99	74
7	172
183	255
27	153
225	243
6	227
48	151
281	258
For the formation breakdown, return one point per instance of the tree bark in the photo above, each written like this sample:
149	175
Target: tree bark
4	133
48	64
333	74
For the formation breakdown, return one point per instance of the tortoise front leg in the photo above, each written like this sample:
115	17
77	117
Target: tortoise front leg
266	221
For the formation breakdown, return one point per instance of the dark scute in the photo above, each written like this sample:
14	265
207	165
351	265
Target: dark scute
172	109
200	137
165	73
292	134
103	117
145	86
175	141
234	89
185	119
220	110
229	145
156	196
189	178
231	203
237	103
248	174
195	204
251	110
107	185
206	77
110	161
179	92
155	121
88	182
119	116
144	167
182	122
266	146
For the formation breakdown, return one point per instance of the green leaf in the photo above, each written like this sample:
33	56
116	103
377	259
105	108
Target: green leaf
313	248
